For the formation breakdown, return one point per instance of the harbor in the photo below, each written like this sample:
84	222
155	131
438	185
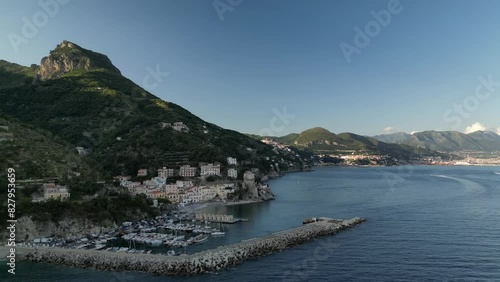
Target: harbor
169	234
201	262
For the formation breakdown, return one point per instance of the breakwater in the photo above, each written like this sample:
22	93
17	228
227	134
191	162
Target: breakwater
202	262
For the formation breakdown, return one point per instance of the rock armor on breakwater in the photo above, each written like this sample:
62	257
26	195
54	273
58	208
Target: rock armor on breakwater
202	262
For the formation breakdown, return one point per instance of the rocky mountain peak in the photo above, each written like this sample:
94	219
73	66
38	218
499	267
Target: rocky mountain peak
68	56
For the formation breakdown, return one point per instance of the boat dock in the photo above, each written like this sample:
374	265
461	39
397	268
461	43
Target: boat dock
202	262
219	218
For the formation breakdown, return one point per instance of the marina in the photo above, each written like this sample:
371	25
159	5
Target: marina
164	235
201	262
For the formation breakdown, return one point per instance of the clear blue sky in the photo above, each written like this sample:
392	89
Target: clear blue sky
269	54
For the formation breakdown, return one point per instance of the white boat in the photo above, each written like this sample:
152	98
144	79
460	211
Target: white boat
178	238
218	233
156	242
100	246
200	238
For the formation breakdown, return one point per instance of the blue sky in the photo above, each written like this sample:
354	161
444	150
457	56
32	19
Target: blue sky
267	55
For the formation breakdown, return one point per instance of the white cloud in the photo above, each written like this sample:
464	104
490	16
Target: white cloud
413	132
389	130
498	130
477	126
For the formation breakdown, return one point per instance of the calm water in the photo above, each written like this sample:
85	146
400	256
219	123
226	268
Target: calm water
424	224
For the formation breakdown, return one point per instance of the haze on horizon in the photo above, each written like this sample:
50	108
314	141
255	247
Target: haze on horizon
366	67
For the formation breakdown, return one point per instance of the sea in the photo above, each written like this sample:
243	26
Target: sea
424	223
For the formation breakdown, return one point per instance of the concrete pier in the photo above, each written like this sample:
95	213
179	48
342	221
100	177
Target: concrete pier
206	261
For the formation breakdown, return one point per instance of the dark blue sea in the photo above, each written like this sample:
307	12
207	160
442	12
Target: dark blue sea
425	223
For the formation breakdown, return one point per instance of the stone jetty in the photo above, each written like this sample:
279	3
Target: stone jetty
202	262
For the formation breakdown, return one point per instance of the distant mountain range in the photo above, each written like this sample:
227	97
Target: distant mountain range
322	141
446	141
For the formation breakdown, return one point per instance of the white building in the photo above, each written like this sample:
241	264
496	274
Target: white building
231	161
82	151
56	192
210	169
171	189
166	172
187	171
179	126
232	173
184	184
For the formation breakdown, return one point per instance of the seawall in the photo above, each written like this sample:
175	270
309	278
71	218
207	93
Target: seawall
206	261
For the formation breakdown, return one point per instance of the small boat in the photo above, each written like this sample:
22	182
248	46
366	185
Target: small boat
218	233
156	242
178	238
100	246
200	238
122	249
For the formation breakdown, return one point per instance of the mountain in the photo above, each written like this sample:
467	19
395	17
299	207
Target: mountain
447	141
81	97
398	137
322	141
68	56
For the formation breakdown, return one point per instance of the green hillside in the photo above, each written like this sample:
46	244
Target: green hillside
124	127
36	153
13	75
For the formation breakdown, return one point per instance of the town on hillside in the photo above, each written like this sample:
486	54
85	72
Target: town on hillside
184	185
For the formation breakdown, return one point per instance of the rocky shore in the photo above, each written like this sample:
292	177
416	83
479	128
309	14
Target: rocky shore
202	262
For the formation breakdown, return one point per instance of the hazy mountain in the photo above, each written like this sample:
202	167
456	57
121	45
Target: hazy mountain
447	141
398	137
